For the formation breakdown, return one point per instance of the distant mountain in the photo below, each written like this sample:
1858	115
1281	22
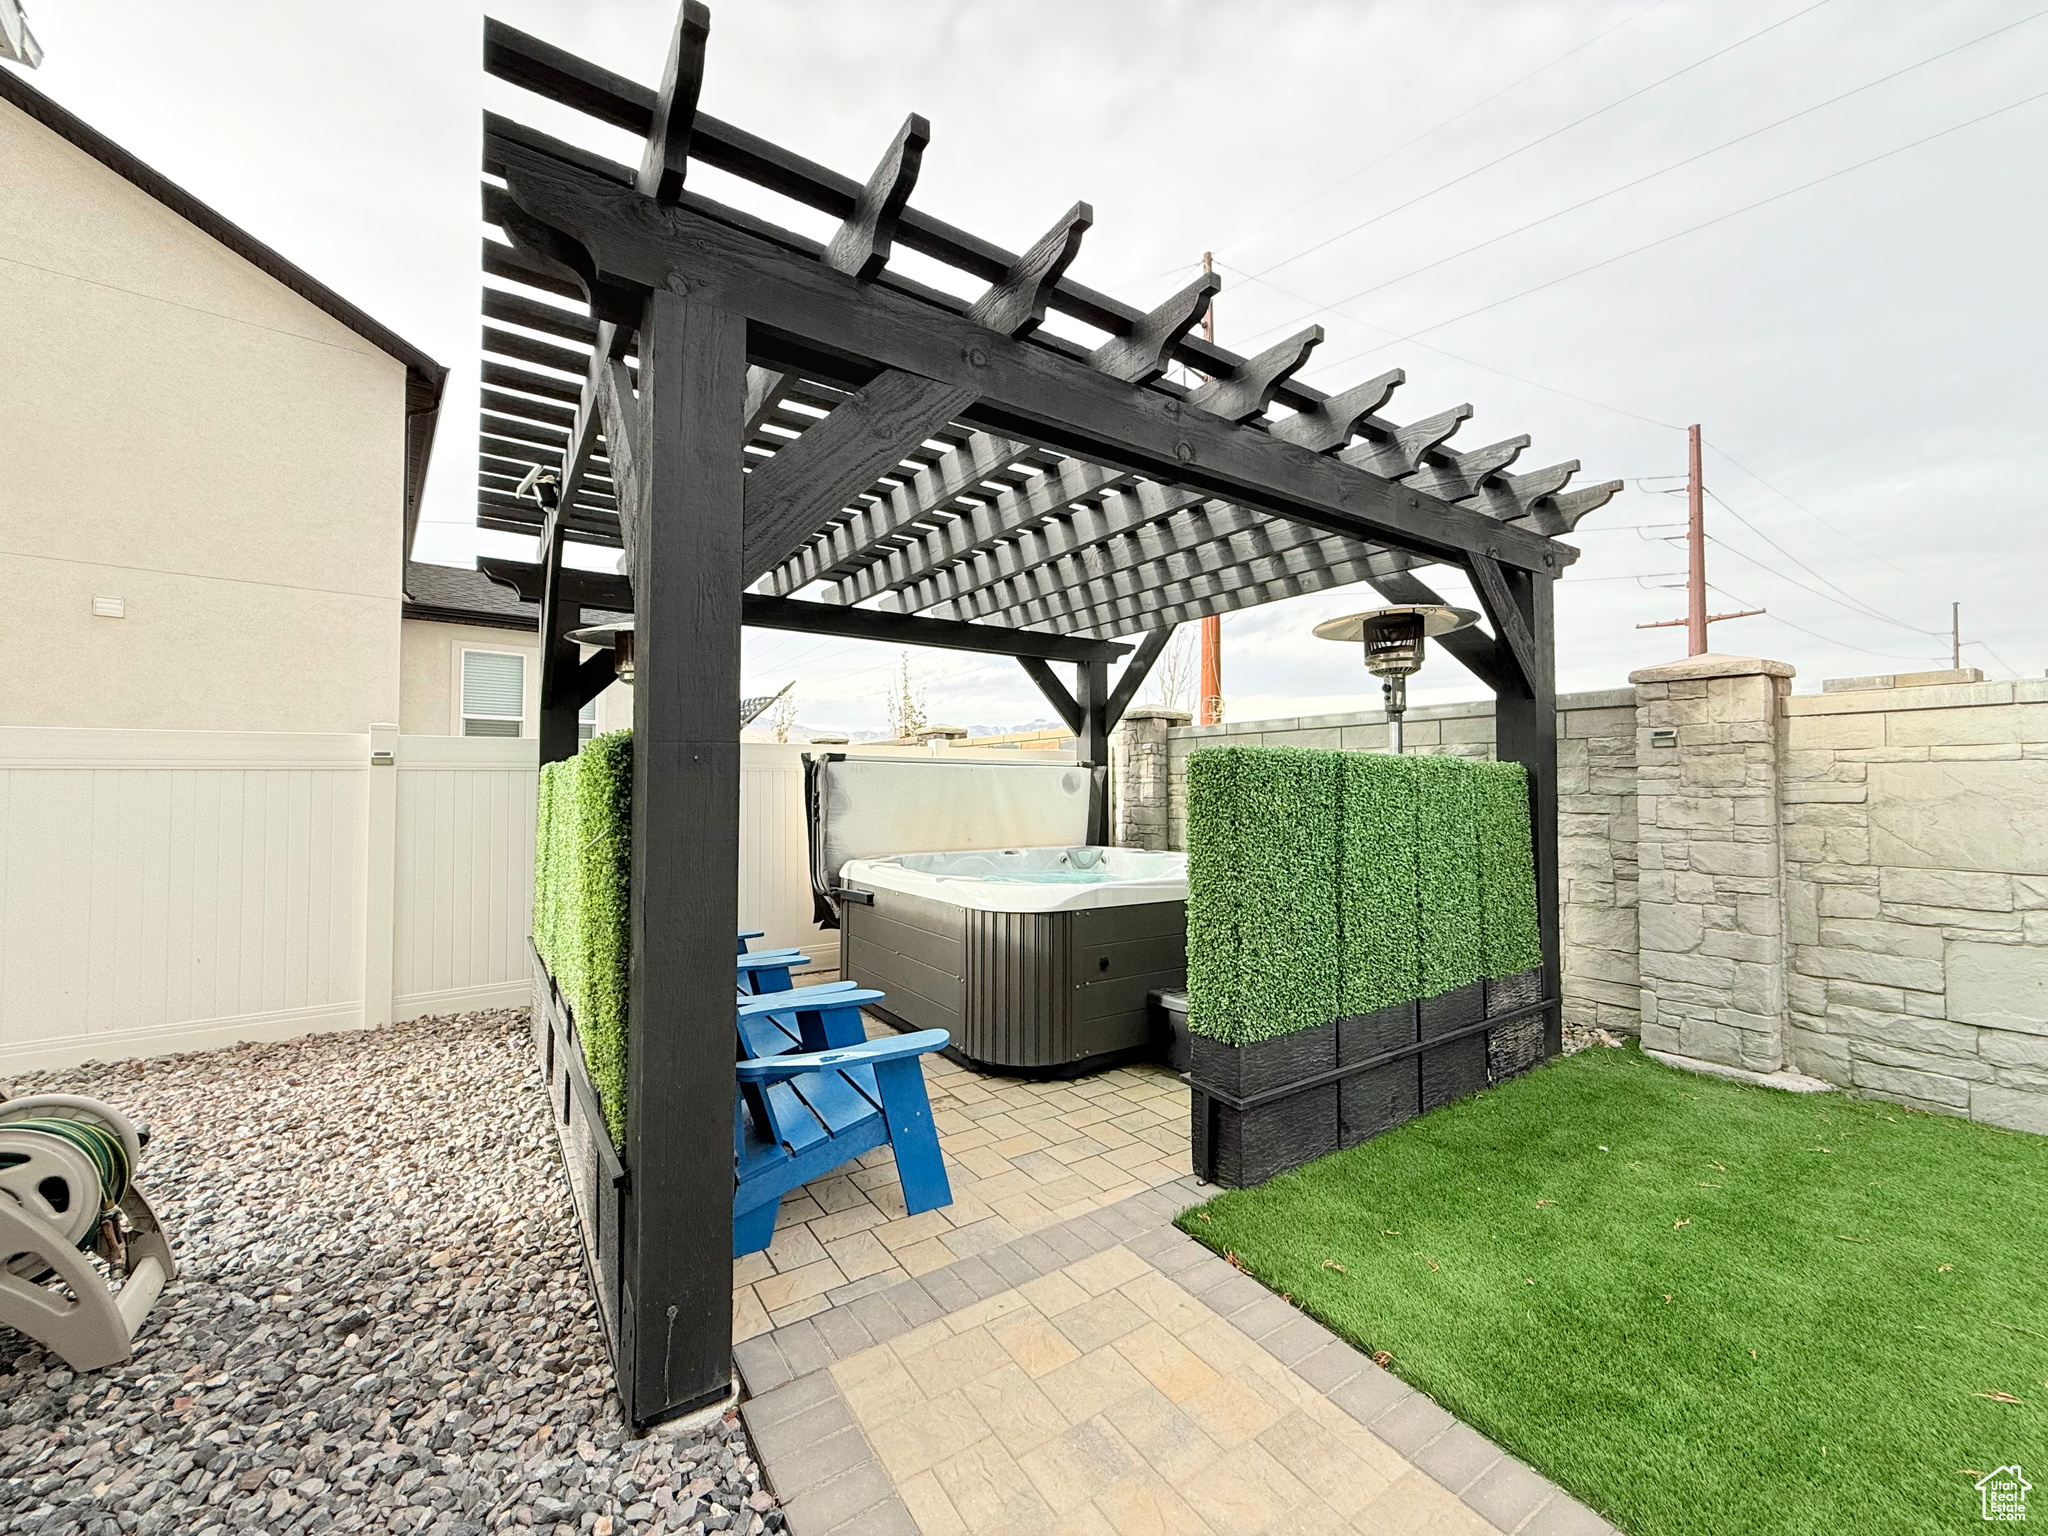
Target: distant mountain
1013	730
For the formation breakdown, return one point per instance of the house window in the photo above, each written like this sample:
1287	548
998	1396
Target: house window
586	721
493	693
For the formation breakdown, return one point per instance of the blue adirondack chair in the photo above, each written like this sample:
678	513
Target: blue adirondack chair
769	970
813	1093
751	933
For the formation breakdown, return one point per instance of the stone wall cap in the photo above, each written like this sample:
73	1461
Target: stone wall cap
1948	678
1712	665
1157	712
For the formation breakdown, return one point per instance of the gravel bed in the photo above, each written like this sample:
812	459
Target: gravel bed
1578	1037
381	1323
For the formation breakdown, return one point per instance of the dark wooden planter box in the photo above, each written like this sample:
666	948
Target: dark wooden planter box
1237	1147
1378	1098
1514	1048
1396	1075
596	1173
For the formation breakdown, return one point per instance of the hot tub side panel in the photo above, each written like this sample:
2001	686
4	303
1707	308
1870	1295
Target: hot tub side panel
1020	997
1028	992
914	949
1119	956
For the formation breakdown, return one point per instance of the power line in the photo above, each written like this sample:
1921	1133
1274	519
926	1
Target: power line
1664	171
1853	599
1861	613
1544	139
1406	144
2015	671
1608	261
1816	634
1784	496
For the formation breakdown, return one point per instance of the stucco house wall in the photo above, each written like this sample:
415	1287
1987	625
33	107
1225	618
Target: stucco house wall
191	436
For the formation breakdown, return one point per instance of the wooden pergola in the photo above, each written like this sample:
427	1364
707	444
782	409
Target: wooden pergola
786	433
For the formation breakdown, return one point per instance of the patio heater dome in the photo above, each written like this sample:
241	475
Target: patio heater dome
1393	640
618	636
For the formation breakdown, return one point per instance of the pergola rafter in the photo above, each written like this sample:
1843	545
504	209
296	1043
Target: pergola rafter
789	432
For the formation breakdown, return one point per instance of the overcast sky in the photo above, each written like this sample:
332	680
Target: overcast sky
1865	352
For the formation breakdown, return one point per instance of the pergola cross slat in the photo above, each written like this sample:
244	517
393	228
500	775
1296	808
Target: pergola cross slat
784	432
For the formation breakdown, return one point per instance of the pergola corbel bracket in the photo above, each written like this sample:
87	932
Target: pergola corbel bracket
1510	623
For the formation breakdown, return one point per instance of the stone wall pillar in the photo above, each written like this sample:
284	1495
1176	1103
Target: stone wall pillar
1711	919
1139	773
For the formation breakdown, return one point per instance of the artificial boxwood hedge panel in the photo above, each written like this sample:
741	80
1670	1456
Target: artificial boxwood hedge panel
1262	892
1213	1008
604	818
582	869
554	913
1330	884
1376	882
1447	874
1287	848
1507	869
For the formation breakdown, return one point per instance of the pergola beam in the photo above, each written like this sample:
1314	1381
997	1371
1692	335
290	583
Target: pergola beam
1023	390
998	563
611	98
973	529
839	550
812	479
760	610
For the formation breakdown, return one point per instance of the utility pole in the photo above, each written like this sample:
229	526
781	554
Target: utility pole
1210	710
1955	637
1695	548
1696	617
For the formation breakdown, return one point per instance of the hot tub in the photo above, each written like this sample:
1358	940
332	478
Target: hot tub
1038	961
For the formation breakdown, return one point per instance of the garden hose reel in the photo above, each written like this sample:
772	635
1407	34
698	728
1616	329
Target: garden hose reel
67	1189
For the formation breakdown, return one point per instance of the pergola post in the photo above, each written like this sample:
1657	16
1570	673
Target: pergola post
675	1349
1091	693
1525	732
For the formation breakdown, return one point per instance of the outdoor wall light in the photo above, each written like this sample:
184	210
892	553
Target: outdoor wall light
618	636
543	483
1393	646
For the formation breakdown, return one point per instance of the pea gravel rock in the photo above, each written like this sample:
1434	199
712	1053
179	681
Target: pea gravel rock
381	1324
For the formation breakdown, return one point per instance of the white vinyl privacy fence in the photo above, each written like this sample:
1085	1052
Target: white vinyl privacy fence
178	890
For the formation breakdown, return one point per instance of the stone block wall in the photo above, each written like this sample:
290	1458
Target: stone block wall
1712	896
1851	884
1139	774
1916	858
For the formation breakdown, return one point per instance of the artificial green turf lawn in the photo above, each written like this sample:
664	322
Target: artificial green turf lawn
1885	1267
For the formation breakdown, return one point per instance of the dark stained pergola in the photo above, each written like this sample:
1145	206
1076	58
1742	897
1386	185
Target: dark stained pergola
786	433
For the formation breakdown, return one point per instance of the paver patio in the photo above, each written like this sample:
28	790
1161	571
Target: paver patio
1021	1157
1050	1355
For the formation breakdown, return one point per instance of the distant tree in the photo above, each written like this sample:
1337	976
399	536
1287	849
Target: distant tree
783	717
906	701
1173	676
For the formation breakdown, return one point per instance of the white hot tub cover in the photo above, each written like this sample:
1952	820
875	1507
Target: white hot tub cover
878	807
